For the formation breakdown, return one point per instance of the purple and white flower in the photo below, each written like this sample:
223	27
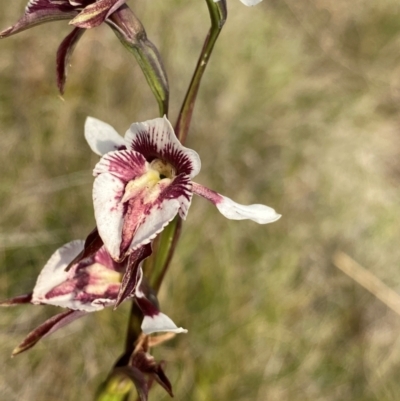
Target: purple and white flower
144	180
88	286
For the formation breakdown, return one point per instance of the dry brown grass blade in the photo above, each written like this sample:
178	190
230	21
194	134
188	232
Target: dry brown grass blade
367	280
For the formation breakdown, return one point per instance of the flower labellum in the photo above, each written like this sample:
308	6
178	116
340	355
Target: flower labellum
88	286
144	180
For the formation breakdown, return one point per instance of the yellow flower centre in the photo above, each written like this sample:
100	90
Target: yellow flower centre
160	173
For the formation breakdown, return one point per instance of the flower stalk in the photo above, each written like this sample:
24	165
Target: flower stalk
156	266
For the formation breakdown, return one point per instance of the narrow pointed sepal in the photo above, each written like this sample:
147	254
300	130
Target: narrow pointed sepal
261	214
64	53
19	300
49	326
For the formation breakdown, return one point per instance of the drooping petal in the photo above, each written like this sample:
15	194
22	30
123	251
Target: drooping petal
101	137
64	53
156	139
49	326
154	321
261	214
39	11
96	13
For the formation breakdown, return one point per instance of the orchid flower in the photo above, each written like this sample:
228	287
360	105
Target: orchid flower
144	180
88	286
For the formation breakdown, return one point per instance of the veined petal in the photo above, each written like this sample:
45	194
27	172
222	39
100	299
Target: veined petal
64	53
126	165
156	139
261	214
94	14
109	211
49	326
101	137
250	2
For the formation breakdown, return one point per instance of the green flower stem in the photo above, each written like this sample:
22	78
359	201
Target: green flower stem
132	35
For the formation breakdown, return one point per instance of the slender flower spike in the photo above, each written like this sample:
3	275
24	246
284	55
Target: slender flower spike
144	180
88	286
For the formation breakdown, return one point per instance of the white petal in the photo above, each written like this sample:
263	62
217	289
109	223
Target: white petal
251	2
53	273
159	323
156	138
101	137
261	214
108	210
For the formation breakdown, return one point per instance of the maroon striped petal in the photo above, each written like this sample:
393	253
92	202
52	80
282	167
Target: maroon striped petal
64	53
49	326
156	139
126	165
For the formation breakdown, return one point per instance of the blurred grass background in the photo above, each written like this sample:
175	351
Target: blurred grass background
299	109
